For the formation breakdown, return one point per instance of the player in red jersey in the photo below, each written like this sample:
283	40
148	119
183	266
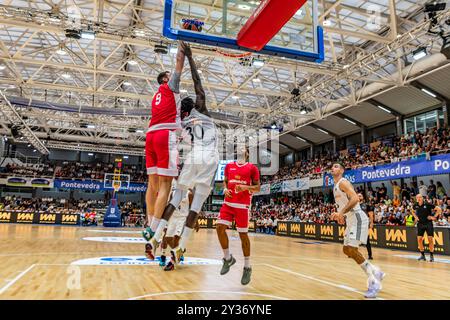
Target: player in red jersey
240	182
161	150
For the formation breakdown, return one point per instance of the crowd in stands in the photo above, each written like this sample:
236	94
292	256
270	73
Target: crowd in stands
73	170
80	170
132	213
395	149
48	205
387	210
28	170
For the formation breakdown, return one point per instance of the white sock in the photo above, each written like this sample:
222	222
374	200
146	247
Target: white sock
160	230
247	262
149	222
155	223
368	268
185	237
164	251
226	254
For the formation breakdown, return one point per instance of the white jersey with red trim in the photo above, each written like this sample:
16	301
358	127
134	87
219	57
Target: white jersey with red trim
166	105
240	174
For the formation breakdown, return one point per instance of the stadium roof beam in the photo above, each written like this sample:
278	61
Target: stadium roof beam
95	148
378	104
287	146
296	135
420	86
16	119
326	131
344	117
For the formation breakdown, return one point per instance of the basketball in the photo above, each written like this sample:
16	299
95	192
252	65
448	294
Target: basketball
193	25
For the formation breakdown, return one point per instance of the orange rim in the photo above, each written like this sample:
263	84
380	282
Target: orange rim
234	55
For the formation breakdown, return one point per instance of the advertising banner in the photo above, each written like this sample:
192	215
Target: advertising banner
218	189
91	185
95	185
295	185
210	223
39	218
439	164
389	237
27	182
265	189
276	187
220	173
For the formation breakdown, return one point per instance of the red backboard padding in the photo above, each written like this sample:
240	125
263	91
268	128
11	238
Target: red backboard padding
266	21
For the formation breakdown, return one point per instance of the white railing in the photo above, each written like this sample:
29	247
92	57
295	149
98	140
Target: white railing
20	156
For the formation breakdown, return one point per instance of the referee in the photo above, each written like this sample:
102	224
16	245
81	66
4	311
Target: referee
368	209
425	214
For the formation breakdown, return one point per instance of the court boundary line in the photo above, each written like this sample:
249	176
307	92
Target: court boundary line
17	278
165	293
326	282
384	264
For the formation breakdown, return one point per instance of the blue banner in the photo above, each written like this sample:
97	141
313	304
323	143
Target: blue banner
79	184
95	185
412	168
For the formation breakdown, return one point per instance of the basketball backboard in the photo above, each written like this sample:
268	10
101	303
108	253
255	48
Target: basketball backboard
221	20
112	179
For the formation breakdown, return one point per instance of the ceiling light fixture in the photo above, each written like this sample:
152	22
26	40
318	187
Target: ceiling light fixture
258	63
326	22
419	53
384	109
61	51
429	92
350	121
88	35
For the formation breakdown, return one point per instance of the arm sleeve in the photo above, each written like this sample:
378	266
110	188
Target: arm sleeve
174	82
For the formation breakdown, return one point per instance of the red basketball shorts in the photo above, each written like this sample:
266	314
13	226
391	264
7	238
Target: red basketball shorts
229	214
161	153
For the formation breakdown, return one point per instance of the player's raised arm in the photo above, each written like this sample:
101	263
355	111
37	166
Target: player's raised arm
353	199
200	101
174	82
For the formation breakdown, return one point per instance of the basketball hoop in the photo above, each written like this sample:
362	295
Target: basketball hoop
233	55
116	185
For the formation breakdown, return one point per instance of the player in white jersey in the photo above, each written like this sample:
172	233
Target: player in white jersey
200	165
357	227
174	229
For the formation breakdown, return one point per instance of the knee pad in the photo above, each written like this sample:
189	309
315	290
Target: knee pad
177	196
198	200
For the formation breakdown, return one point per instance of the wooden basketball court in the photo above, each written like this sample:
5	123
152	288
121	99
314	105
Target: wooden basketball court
36	263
